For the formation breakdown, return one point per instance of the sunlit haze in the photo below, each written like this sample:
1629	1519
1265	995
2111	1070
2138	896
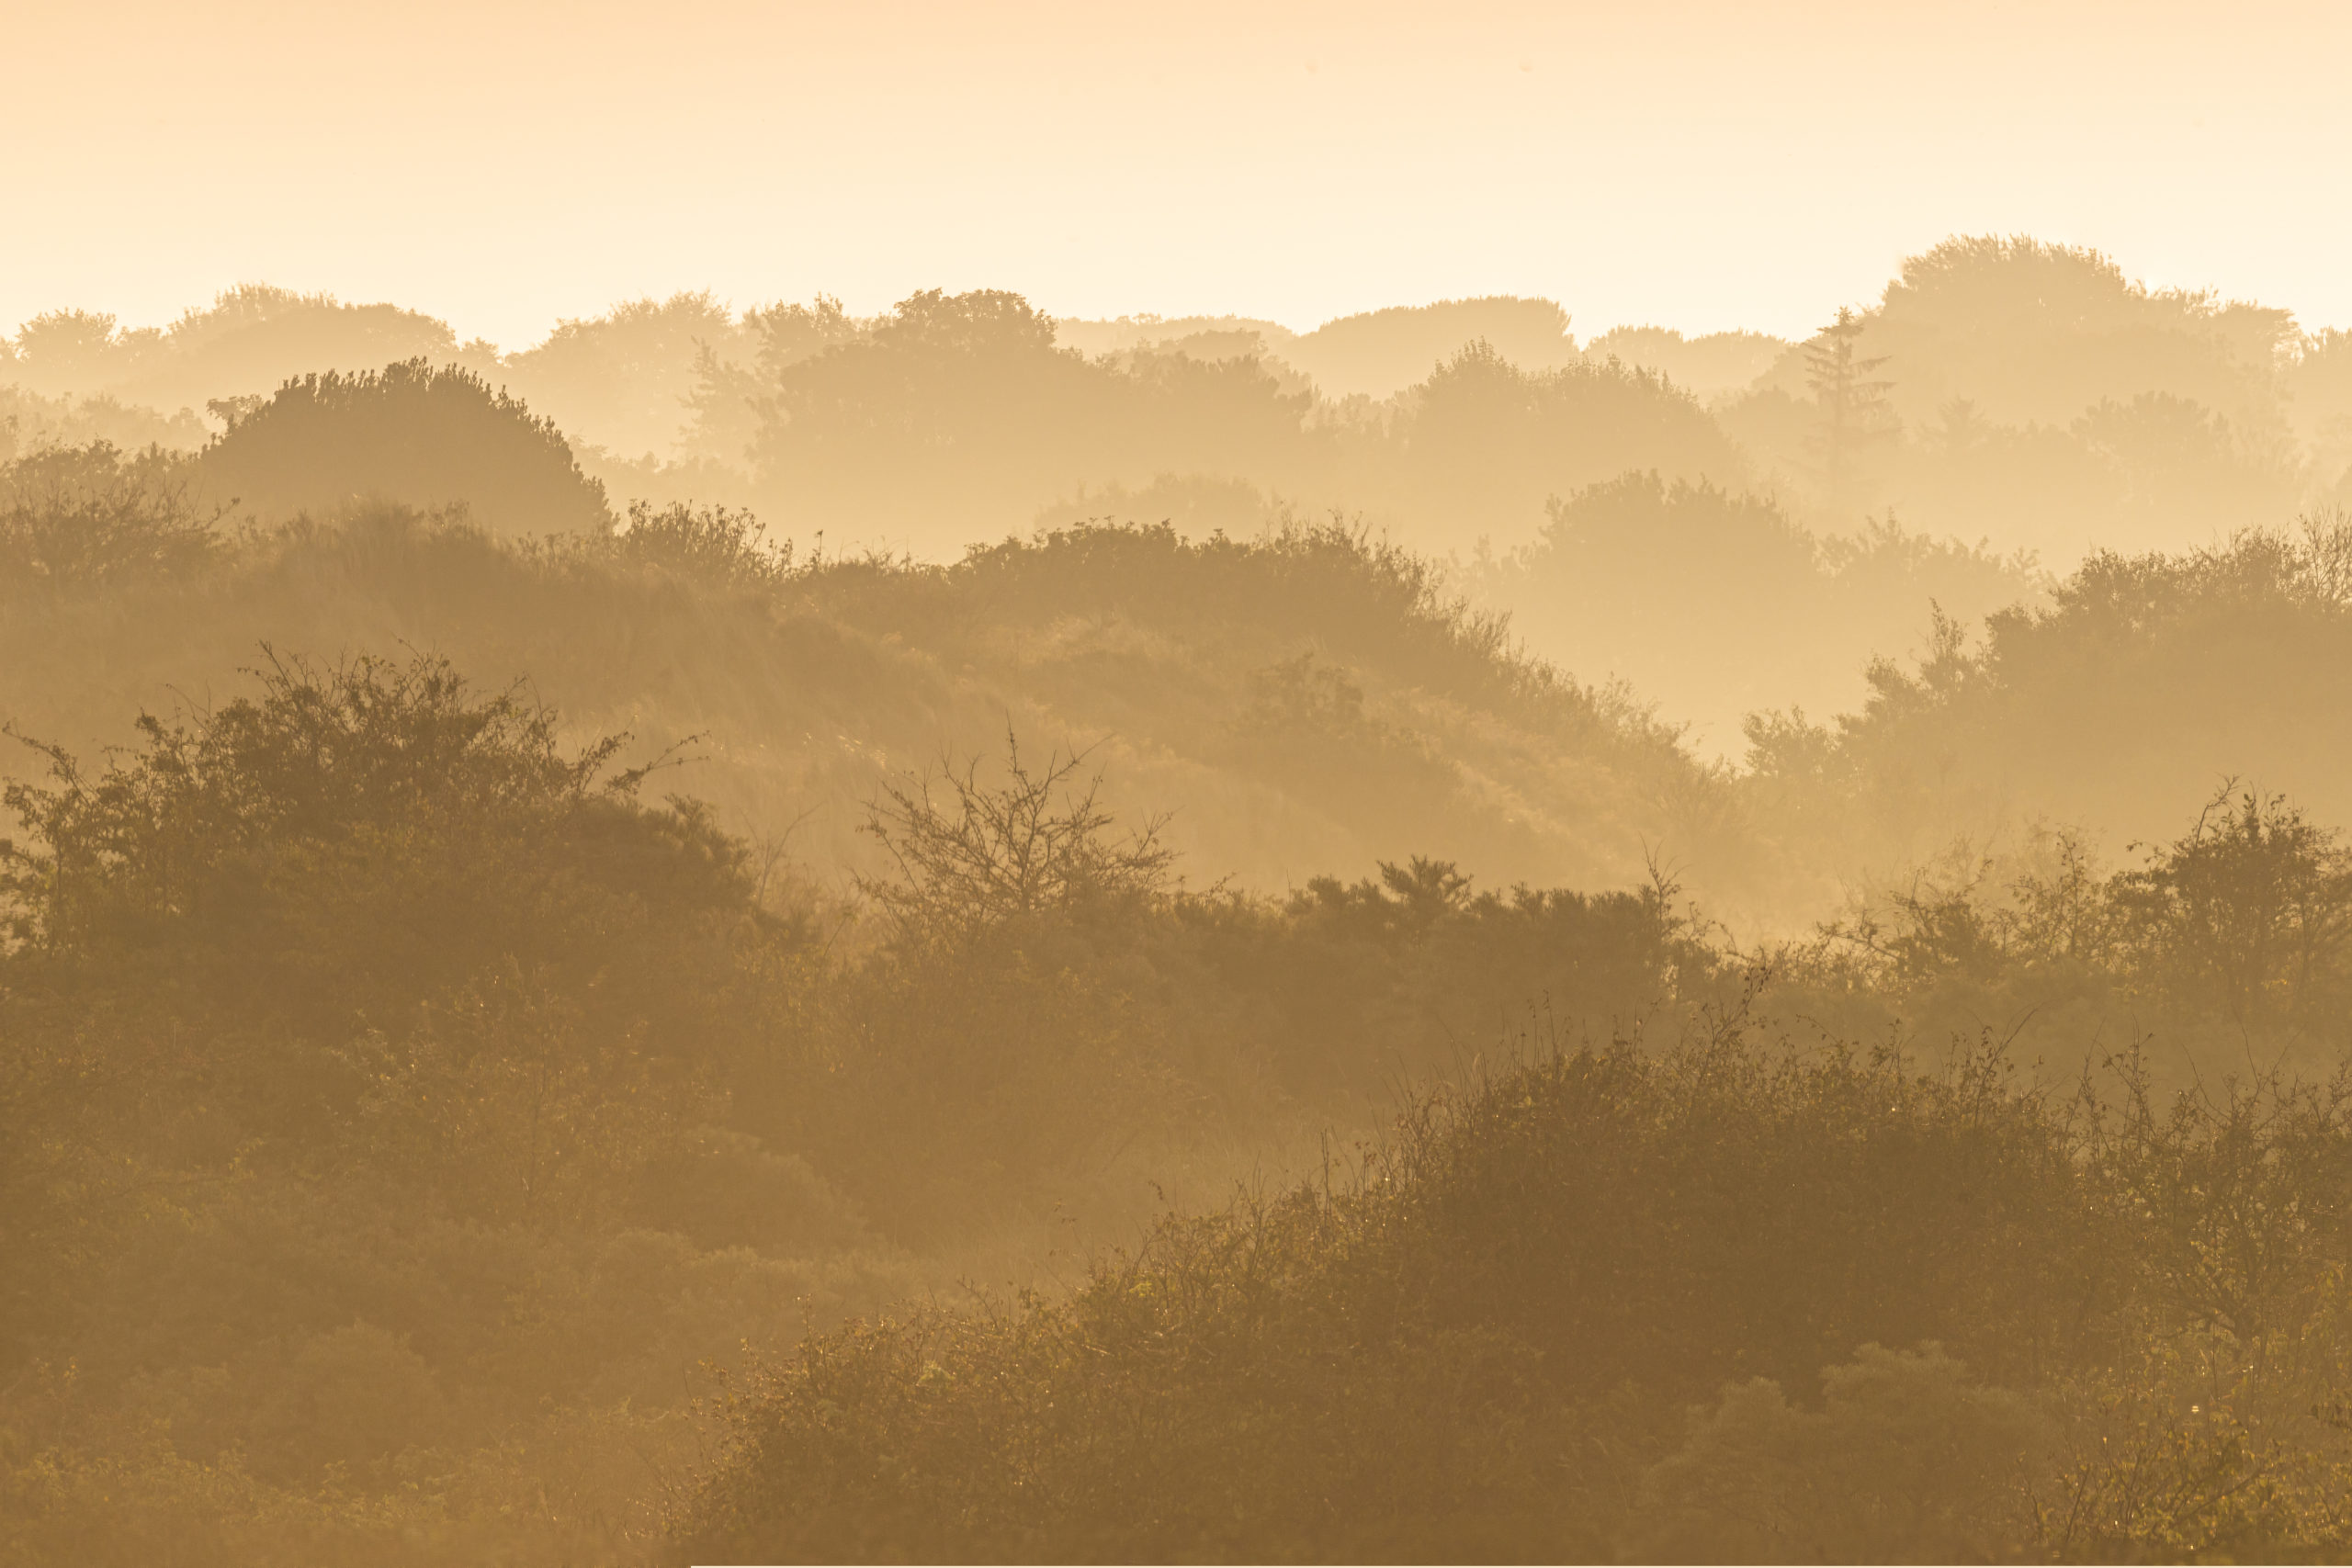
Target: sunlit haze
1222	783
1700	165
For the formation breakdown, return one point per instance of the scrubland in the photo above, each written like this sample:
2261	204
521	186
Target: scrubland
1145	939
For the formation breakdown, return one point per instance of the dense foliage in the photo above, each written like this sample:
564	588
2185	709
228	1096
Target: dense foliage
2146	679
1181	1032
418	1122
1313	697
1578	1313
411	433
407	1111
96	517
1746	574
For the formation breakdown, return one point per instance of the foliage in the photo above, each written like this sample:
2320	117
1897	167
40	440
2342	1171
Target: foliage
408	1120
404	1096
410	433
2251	908
2144	680
1477	1344
1853	406
711	545
1763	610
1906	1462
369	925
414	1108
619	380
94	518
964	406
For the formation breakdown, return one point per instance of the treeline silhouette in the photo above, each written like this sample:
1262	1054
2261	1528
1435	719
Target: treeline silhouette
2006	404
1596	1308
2036	384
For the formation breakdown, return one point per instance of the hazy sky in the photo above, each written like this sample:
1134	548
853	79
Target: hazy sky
1699	163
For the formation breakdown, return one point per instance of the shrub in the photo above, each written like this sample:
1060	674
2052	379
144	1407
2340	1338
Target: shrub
1425	1361
94	518
1906	1462
408	433
400	917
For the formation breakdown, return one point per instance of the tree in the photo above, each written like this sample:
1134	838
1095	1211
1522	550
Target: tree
1905	1460
987	854
1854	409
1485	441
730	398
2249	911
61	351
623	380
951	403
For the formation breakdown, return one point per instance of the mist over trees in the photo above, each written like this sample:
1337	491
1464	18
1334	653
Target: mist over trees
2017	402
1744	574
2036	384
248	341
2129	686
781	935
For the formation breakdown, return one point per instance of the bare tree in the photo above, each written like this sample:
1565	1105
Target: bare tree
971	855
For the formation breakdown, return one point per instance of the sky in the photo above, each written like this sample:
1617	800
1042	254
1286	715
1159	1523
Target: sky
1694	163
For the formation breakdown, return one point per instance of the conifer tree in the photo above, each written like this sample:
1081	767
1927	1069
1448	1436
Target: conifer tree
1854	409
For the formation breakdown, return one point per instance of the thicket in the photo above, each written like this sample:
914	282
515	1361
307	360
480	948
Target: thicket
94	517
1726	1301
2026	391
2036	390
2225	948
2145	681
412	433
416	1120
965	406
2032	393
1763	612
1579	1306
406	1111
250	339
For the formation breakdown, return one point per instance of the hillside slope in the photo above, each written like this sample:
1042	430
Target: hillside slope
1308	699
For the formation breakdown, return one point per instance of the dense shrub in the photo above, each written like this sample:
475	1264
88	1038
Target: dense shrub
372	923
710	544
2144	680
1478	1346
410	434
409	1110
92	518
2228	944
1416	1362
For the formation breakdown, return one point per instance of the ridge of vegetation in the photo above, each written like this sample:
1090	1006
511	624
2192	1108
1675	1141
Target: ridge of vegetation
1470	1123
